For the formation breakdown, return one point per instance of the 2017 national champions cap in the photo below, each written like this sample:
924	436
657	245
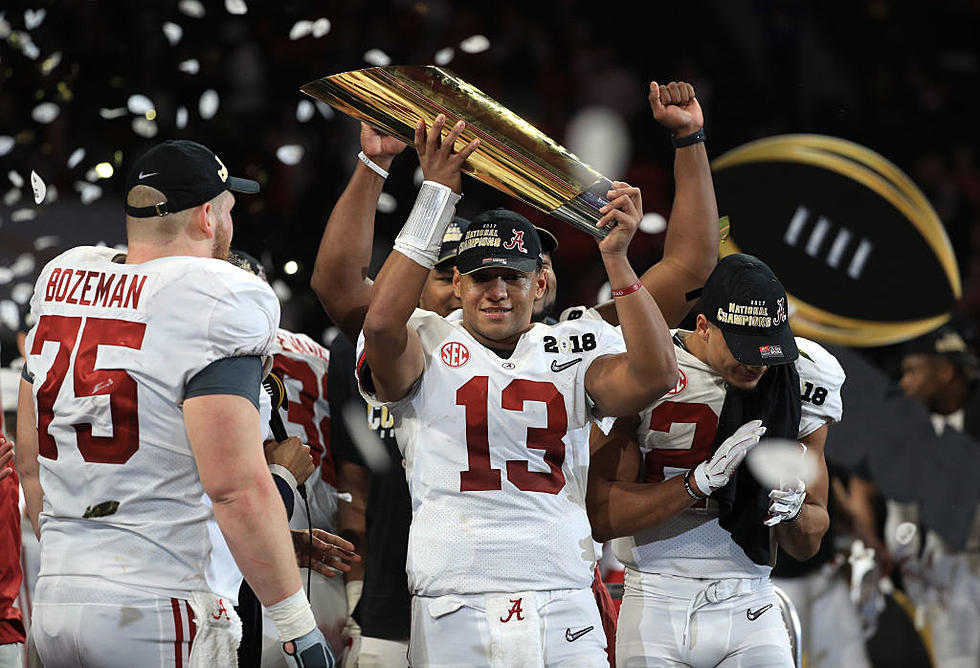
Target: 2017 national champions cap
450	240
187	173
499	238
745	300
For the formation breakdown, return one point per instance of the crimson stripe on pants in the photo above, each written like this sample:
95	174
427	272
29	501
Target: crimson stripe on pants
178	632
193	627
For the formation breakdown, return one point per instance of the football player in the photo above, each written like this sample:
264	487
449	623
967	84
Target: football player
491	415
140	397
693	529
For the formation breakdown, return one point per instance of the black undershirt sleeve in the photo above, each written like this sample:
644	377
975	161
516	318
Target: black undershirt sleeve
241	376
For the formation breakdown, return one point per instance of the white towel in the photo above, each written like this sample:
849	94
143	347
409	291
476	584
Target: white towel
219	631
515	630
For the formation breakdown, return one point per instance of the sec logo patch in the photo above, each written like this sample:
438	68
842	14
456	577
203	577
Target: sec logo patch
681	383
454	354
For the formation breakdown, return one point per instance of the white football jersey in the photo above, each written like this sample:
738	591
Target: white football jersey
302	364
677	432
112	350
497	457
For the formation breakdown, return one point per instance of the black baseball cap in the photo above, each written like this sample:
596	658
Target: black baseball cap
944	341
549	242
450	240
187	173
499	238
745	300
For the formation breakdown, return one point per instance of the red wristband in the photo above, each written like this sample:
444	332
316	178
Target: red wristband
627	290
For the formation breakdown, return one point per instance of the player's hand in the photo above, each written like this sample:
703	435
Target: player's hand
381	148
439	163
329	553
310	651
675	107
292	454
717	471
621	216
785	504
6	456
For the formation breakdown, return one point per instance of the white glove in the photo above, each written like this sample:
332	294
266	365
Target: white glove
785	504
352	631
717	471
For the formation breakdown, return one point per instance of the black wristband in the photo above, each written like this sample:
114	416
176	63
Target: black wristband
690	490
687	140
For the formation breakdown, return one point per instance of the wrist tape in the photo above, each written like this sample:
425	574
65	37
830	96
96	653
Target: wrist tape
292	616
421	235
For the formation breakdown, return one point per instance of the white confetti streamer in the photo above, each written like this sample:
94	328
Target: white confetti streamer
445	56
6	144
207	106
28	47
387	203
12	196
50	63
290	154
88	192
301	29
190	66
377	57
5	275
325	109
22	293
181	118
45	242
173	32
144	127
475	44
34	17
236	7
10	315
191	8
75	157
139	104
39	187
16	179
4	27
653	223
110	114
23	265
21	215
45	112
321	27
304	111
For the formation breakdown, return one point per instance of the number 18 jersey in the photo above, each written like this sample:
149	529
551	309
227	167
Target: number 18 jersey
112	350
497	456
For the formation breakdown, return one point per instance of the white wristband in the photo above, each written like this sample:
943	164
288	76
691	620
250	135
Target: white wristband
292	616
421	236
372	165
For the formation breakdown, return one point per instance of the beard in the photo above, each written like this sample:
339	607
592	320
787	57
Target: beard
222	243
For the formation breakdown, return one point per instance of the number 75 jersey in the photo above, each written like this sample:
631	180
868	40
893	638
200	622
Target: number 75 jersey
497	456
112	350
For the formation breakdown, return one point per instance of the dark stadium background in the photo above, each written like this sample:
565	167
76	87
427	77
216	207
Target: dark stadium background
897	77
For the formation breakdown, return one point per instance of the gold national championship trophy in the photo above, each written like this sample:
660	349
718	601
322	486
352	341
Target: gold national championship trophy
514	156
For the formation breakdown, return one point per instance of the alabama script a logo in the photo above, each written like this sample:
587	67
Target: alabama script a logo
518	241
515	609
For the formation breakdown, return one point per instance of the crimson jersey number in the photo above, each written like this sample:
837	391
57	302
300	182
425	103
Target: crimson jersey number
87	381
302	413
674	412
480	477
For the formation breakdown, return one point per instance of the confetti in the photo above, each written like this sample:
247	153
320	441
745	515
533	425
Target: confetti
6	144
418	176
181	118
45	242
45	112
172	32
10	315
387	203
475	44
236	7
12	196
5	275
4	27
377	57
20	215
321	27
40	189
88	192
301	29
653	223
191	8
27	46
304	111
444	56
50	62
282	291
109	114
139	104
52	194
75	157
23	265
325	109
190	66
144	127
290	154
22	293
207	106
34	18
16	179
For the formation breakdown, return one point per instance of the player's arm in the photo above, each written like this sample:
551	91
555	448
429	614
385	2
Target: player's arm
393	350
27	465
627	383
801	537
617	503
340	271
691	244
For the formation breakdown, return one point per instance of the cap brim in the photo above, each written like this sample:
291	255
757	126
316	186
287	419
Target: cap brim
522	264
767	349
239	185
549	242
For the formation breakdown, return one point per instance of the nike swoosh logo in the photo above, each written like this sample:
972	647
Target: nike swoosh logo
556	367
754	615
572	637
145	176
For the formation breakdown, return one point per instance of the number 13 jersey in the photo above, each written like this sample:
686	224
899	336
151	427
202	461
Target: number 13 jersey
677	432
497	454
112	350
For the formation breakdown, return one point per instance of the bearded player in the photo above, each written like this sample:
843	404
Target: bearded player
141	396
698	534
